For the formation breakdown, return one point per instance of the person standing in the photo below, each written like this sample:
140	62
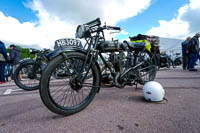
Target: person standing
3	60
199	56
15	57
185	53
194	51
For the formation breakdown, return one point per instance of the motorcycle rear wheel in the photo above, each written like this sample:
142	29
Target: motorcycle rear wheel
150	69
21	77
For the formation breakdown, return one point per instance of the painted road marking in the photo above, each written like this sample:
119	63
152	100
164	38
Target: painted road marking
9	91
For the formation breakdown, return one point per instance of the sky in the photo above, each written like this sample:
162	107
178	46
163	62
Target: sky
41	22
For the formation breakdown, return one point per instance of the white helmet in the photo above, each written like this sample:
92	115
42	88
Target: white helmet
153	91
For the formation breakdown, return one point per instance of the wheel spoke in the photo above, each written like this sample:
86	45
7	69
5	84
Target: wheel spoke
61	91
147	69
25	82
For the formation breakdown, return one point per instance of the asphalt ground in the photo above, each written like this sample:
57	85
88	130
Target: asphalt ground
113	110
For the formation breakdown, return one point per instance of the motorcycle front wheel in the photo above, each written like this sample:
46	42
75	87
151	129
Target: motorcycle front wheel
61	89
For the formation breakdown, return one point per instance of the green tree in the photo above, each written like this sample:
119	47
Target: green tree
24	51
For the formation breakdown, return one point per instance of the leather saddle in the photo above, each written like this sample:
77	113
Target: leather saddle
133	46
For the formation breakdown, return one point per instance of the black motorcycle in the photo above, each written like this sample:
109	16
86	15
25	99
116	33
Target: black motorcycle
165	61
177	60
27	75
125	64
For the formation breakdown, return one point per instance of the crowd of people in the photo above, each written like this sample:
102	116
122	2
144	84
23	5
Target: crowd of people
8	59
190	52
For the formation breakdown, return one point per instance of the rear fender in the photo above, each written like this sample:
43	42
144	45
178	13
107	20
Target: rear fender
22	62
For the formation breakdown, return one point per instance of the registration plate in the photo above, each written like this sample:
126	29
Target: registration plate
68	42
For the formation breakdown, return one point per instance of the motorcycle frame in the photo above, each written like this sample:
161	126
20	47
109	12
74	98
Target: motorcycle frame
92	54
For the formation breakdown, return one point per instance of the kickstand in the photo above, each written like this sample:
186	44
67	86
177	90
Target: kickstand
136	88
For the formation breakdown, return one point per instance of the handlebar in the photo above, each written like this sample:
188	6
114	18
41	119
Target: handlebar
94	26
94	23
113	28
97	22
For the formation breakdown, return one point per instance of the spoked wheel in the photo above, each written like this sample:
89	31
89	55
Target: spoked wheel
68	94
169	63
174	64
147	70
24	79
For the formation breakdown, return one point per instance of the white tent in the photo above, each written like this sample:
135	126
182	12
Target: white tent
171	46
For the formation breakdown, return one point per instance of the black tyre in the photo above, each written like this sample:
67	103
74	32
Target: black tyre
169	64
173	65
65	95
156	60
179	62
147	71
22	77
158	68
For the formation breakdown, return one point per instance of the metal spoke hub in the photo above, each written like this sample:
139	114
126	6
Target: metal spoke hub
75	84
31	76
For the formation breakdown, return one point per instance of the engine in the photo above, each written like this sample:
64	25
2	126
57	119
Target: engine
118	61
112	46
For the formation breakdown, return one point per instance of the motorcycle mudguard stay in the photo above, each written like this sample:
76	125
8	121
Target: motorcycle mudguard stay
57	52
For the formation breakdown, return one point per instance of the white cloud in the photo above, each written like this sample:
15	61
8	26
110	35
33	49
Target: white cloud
43	34
124	32
81	11
170	29
58	19
186	23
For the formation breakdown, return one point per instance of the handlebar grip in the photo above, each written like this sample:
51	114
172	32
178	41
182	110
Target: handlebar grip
93	23
114	28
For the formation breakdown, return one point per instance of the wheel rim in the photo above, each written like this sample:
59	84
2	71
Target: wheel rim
27	82
147	72
60	89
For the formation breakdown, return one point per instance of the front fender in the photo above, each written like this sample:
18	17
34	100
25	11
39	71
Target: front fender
58	52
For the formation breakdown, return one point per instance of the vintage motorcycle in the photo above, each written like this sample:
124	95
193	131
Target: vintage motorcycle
30	70
127	63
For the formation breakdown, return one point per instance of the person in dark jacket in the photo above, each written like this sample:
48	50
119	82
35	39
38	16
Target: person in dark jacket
3	60
15	57
185	53
194	51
